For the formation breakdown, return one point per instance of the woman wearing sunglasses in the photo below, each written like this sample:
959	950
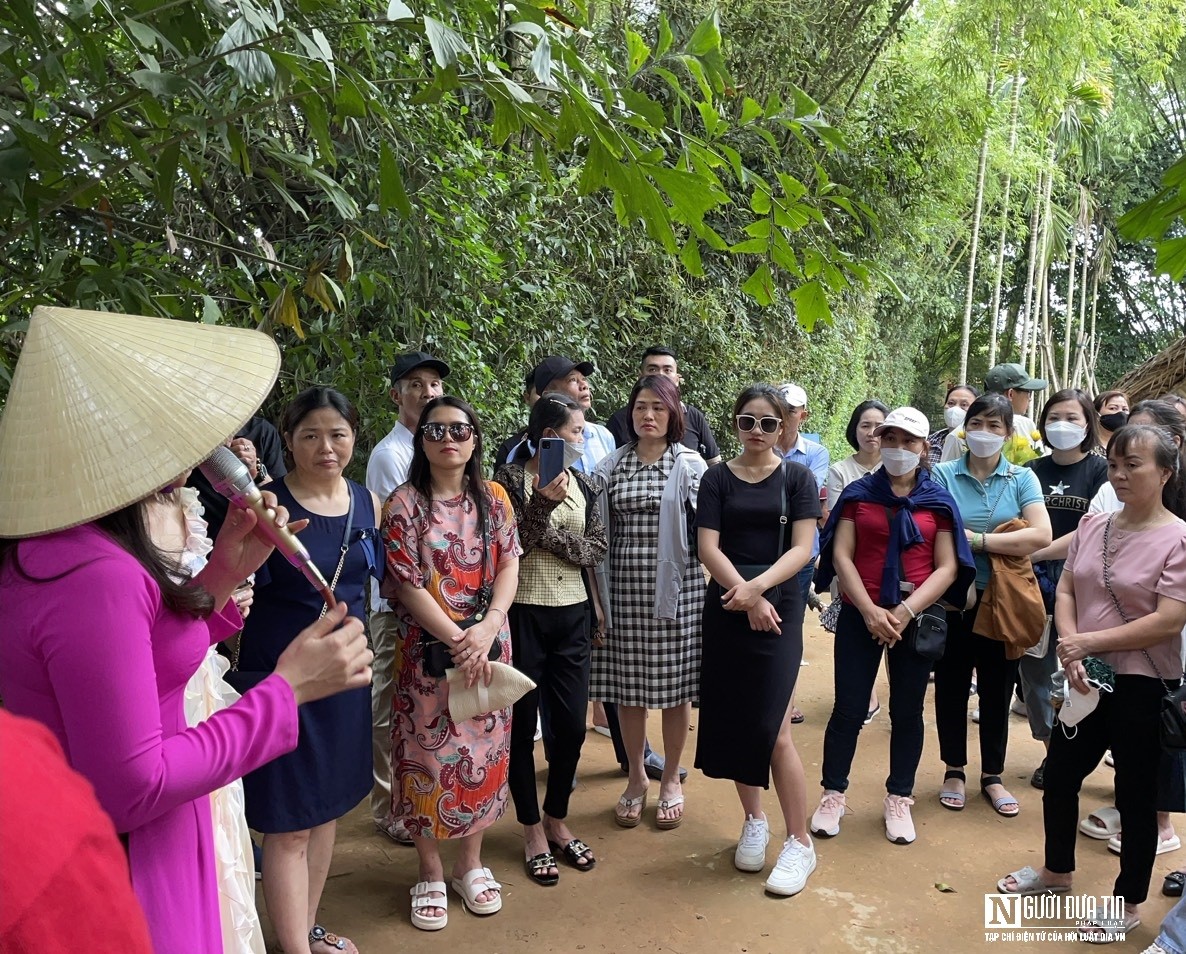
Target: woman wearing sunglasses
651	589
453	556
753	631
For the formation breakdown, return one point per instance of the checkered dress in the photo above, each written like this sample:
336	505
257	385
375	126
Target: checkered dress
646	662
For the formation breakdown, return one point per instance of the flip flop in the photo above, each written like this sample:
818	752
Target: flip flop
1092	933
475	882
1029	882
1102	824
320	935
797	717
666	804
420	900
1164	845
872	713
963	798
999	803
626	804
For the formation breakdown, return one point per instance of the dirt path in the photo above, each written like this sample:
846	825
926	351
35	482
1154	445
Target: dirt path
678	891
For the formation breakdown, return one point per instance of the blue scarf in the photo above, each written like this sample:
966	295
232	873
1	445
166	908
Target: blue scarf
927	495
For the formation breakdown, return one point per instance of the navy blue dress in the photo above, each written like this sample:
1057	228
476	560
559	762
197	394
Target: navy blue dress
329	772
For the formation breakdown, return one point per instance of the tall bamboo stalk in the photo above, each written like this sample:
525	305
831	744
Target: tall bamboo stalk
994	307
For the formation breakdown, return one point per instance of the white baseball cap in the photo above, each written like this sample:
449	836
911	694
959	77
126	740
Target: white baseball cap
795	395
908	419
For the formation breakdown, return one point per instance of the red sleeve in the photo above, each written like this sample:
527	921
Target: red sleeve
849	511
64	881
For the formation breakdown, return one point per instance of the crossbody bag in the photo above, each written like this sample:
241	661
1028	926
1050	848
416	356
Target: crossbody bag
749	570
926	633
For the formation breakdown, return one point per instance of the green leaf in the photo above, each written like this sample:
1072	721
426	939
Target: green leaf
760	285
760	228
447	45
706	38
391	184
166	174
211	313
753	246
645	107
811	305
665	36
1171	258
159	84
318	120
143	34
637	51
760	201
690	258
688	193
751	109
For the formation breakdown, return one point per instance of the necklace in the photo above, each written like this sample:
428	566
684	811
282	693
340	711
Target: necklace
1154	521
762	472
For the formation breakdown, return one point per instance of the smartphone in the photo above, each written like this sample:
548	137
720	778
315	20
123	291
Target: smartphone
551	459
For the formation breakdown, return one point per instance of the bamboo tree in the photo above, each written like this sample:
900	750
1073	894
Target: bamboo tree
995	306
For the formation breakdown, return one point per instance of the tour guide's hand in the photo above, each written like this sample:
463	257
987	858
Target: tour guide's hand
238	552
556	490
883	625
244	596
1077	677
327	657
764	618
742	597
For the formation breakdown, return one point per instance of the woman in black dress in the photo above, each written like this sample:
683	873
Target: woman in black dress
753	631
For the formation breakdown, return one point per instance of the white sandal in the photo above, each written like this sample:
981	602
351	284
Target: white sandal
1101	824
420	900
476	882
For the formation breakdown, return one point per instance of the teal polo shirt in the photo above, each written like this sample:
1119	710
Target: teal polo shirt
1007	492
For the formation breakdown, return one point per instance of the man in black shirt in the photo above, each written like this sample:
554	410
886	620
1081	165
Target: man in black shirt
697	432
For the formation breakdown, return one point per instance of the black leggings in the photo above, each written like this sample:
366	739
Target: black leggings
995	676
1126	721
551	644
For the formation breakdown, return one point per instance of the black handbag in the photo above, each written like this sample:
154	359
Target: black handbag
749	570
241	681
437	658
926	634
1172	717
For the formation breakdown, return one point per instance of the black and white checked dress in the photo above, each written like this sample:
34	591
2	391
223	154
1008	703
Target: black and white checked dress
646	662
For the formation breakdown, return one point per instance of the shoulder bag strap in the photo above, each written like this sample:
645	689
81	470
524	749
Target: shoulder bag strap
1107	564
782	519
342	555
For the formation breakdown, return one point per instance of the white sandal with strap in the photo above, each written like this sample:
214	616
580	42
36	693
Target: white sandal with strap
666	805
420	900
476	882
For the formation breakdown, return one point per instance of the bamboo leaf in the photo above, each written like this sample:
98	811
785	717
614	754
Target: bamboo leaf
690	258
637	51
447	45
1171	258
211	313
665	37
283	311
398	10
391	184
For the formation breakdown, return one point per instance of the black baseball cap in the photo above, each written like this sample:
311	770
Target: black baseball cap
557	366
1005	376
405	364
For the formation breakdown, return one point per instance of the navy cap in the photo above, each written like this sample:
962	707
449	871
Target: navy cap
405	364
556	366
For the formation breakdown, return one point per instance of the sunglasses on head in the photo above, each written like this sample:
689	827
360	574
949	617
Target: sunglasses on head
458	431
747	422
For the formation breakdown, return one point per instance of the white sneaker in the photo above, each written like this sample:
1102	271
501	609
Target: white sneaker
795	863
899	826
976	714
751	846
1017	707
826	820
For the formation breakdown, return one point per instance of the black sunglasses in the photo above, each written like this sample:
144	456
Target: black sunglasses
747	422
459	431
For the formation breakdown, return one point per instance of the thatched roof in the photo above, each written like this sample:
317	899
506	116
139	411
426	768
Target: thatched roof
1159	375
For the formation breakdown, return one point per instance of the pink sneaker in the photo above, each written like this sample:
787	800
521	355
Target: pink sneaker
826	820
899	827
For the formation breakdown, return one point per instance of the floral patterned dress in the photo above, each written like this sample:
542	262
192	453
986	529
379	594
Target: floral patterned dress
447	780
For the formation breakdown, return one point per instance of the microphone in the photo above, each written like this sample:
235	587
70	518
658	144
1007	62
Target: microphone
231	478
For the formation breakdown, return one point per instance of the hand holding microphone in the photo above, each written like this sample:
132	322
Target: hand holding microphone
257	511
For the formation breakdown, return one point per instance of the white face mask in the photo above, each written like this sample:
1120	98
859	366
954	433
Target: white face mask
1063	435
983	443
1078	706
954	416
572	453
899	462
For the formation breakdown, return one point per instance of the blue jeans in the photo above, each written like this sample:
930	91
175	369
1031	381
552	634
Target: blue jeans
804	577
1173	929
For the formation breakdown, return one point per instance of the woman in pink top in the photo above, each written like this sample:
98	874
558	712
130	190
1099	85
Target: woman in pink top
98	640
1122	601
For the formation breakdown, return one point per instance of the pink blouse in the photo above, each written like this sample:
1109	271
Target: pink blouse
98	658
1143	565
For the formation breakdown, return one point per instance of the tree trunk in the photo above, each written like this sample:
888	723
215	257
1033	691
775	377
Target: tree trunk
1028	297
995	307
977	209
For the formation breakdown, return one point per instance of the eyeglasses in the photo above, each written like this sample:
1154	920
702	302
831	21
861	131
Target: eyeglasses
747	422
458	431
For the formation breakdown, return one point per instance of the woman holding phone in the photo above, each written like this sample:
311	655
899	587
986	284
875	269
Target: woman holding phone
753	631
551	619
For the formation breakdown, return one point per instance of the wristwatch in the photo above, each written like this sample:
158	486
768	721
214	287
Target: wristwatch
261	472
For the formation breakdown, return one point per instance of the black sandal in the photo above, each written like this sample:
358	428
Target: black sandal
574	853
327	938
537	869
1171	887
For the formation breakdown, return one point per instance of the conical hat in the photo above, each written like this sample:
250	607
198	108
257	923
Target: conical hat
106	408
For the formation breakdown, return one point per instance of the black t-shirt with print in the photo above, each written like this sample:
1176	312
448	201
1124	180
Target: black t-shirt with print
1068	489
